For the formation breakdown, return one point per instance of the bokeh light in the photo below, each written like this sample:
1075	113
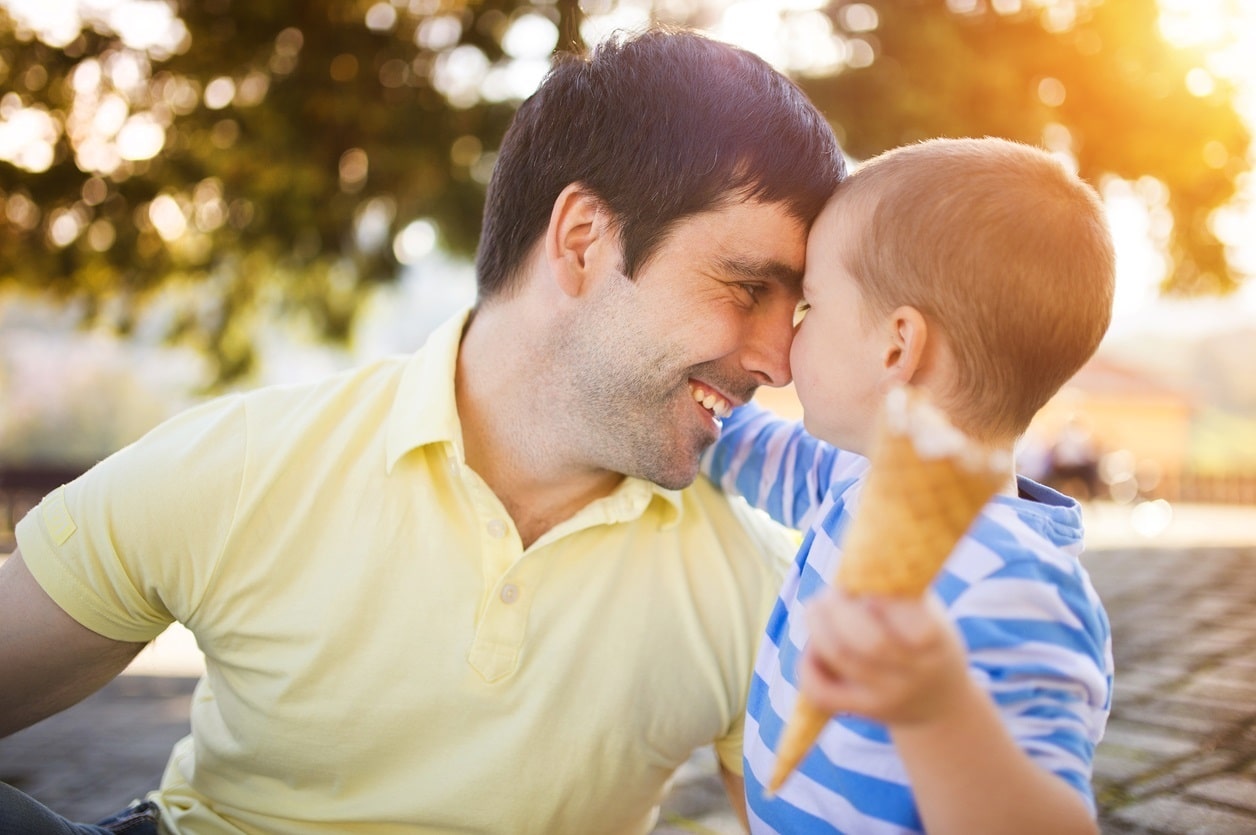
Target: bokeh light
415	241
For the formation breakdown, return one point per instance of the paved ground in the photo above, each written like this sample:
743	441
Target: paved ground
1179	755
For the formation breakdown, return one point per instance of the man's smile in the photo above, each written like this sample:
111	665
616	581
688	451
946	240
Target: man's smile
710	399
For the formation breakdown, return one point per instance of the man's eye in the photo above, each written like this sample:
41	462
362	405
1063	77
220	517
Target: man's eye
751	289
800	312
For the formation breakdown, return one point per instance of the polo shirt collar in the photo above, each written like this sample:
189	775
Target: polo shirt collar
630	499
425	411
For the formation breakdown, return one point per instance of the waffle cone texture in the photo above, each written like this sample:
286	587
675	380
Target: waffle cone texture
926	484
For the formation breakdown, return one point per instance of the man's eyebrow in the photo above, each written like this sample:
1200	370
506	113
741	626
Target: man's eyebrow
763	268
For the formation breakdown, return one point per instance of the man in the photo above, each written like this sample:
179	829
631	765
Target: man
476	589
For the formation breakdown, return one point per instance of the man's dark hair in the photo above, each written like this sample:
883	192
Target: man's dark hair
659	126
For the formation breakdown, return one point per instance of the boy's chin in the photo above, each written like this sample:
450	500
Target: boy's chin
840	438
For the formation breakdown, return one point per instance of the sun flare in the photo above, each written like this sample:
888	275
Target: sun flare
1224	30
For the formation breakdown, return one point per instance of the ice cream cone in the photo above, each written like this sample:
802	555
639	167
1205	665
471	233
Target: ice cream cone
926	484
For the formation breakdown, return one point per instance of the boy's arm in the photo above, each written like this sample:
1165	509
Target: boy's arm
775	465
901	662
955	759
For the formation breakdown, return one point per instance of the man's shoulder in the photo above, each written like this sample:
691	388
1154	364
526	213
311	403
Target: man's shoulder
383	371
363	388
738	525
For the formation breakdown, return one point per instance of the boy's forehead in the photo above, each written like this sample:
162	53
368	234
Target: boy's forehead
832	218
844	206
828	245
831	225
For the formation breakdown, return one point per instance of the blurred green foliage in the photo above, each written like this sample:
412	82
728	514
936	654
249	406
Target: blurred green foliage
283	202
1102	86
298	138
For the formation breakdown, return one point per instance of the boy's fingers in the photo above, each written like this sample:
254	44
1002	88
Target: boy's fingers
854	623
912	622
821	630
834	693
825	689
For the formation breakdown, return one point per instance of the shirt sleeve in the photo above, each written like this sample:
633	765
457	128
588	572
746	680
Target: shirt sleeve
776	466
728	747
1039	643
131	545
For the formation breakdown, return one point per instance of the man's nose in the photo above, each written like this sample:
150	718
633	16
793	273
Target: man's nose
766	352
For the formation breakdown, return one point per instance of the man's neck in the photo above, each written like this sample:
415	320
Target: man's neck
511	436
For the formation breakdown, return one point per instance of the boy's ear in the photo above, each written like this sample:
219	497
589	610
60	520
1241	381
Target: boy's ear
905	351
578	222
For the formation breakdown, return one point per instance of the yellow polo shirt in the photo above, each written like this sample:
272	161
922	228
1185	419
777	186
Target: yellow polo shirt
382	655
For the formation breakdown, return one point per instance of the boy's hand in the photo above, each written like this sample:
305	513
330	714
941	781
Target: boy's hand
893	660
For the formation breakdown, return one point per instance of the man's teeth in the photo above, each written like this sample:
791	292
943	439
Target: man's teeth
720	407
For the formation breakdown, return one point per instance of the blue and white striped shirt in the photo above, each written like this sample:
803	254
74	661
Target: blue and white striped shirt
1037	636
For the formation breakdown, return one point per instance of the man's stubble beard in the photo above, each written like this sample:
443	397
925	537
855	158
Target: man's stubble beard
625	400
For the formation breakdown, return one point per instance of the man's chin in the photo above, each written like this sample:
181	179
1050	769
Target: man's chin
676	483
673	464
672	476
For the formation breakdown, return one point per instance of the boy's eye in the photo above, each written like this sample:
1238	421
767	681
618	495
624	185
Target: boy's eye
800	312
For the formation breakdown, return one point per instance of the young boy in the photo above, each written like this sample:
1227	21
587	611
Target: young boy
980	271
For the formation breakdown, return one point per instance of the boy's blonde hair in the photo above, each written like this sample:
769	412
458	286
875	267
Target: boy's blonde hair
1004	251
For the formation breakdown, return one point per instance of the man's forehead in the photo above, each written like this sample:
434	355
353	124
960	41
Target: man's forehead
762	268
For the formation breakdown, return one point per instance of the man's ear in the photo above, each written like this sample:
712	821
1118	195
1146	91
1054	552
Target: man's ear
908	337
578	223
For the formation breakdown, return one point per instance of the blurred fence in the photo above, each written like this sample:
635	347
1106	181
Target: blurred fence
21	488
1227	488
1123	478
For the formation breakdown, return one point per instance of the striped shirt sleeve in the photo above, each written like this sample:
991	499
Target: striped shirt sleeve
1039	643
776	466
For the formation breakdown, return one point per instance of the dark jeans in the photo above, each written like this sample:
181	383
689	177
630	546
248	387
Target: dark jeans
21	814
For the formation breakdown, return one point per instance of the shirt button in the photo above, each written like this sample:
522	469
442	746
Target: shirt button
510	593
497	529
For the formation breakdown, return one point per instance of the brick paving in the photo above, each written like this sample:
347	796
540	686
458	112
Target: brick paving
1180	752
1179	755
